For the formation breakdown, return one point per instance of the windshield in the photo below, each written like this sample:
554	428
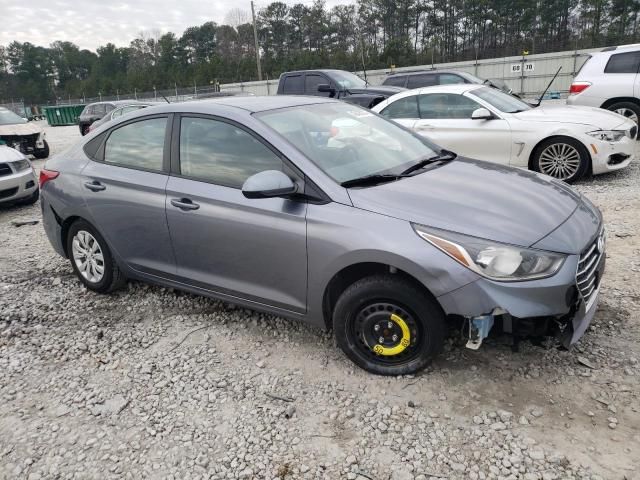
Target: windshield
348	142
7	117
348	80
502	101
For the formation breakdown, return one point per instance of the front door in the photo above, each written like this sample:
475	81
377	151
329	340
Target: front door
445	118
403	111
125	194
254	249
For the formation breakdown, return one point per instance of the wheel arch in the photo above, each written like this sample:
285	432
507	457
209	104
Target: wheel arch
612	101
354	272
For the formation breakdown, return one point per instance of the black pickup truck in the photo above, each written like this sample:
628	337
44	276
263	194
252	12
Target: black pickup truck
335	84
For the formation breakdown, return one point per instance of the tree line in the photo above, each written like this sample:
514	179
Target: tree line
376	33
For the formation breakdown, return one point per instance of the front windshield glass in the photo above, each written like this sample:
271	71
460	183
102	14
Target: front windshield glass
348	142
7	117
348	80
502	101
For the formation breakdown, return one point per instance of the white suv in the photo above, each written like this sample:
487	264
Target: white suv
610	79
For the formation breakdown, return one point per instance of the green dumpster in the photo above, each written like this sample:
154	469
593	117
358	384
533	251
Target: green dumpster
63	114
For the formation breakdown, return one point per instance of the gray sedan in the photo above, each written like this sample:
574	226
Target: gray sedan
324	212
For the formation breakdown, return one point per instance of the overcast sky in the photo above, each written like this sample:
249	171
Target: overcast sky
91	23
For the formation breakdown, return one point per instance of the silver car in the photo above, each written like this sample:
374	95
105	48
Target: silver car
325	212
18	181
610	79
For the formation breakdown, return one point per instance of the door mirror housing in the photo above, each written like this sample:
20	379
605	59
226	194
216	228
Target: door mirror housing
481	114
326	88
268	184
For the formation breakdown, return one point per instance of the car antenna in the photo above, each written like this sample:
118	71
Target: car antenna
165	98
545	90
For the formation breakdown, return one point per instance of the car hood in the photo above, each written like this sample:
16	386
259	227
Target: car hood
477	198
8	154
596	117
28	128
387	91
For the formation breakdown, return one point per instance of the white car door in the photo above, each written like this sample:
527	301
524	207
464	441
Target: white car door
445	118
403	111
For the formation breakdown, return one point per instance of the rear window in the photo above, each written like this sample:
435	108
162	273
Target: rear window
395	81
628	62
293	84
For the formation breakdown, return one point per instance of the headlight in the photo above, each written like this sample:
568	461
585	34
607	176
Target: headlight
497	261
21	165
608	135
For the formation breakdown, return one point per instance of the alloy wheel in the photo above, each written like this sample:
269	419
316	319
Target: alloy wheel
560	160
627	112
88	256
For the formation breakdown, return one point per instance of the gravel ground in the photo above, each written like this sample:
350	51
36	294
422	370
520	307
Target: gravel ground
154	383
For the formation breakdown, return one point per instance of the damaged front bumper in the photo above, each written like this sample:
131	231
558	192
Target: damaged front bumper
562	305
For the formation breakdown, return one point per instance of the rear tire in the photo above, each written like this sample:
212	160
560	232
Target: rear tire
91	259
629	110
388	326
563	158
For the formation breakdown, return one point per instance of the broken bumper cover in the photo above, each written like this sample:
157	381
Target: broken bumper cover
555	298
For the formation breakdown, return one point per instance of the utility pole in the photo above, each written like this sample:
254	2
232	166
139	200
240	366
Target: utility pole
255	38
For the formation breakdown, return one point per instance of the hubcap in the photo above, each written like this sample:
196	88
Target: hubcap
560	160
387	333
88	256
627	112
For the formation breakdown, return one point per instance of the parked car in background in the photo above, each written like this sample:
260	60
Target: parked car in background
334	84
26	137
322	211
610	79
429	78
487	124
18	181
95	111
118	112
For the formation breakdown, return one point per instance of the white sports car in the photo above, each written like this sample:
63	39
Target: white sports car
484	123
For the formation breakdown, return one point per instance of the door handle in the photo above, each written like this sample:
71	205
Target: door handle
184	204
425	127
94	186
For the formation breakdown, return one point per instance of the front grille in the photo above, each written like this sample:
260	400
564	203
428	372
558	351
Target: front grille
586	275
5	170
8	193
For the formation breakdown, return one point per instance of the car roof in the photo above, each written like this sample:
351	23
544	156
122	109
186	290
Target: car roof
316	70
620	49
457	88
115	102
422	72
249	104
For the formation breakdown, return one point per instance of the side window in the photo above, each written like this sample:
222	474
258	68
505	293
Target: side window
446	105
117	113
623	63
395	81
221	153
137	145
424	80
293	85
311	82
450	78
406	107
108	107
99	109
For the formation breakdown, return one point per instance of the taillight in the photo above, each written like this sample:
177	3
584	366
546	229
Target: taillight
46	175
578	87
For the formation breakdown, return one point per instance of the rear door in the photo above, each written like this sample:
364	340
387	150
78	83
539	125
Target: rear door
445	118
124	190
253	249
403	111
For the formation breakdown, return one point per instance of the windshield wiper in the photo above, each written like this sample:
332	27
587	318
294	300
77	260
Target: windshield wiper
444	155
370	180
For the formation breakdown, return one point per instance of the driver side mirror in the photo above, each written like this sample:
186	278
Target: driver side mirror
268	184
326	88
482	114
